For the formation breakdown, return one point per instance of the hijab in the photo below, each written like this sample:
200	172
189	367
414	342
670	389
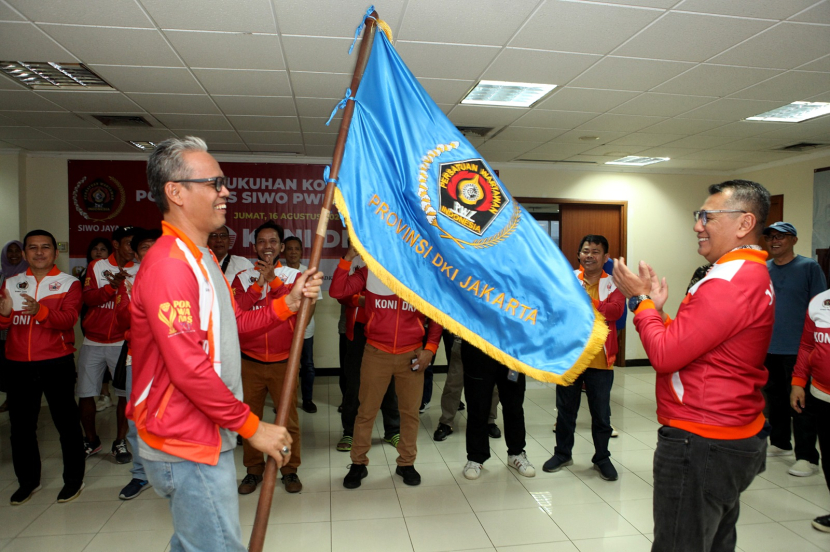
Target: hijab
9	269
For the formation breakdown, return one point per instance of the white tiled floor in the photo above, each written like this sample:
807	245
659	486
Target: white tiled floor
573	510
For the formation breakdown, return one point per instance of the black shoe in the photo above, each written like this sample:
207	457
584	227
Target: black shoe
249	483
494	431
461	406
607	471
239	440
442	432
23	494
822	523
292	483
309	407
556	463
120	452
70	491
410	476
356	473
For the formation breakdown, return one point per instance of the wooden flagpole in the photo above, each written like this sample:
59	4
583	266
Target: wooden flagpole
288	394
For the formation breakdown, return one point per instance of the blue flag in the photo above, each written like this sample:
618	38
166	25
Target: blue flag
435	224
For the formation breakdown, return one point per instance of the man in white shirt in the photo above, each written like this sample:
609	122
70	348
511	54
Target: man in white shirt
219	241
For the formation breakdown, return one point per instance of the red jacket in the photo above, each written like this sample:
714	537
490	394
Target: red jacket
275	344
354	314
611	305
99	323
49	334
710	359
178	399
814	352
392	325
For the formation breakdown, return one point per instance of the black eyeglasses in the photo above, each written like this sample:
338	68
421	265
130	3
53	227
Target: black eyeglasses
217	181
775	237
702	215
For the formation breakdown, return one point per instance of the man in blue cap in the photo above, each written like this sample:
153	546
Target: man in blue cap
796	280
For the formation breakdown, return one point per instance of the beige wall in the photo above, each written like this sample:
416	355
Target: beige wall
659	216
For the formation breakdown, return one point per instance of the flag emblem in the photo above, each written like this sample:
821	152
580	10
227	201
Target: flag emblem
470	196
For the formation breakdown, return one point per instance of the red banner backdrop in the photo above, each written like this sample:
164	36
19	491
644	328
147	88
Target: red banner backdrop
106	194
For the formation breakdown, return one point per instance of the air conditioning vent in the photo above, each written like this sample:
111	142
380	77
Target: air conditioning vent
123	121
803	146
475	131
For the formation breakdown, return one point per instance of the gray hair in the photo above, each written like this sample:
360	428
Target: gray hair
748	196
166	163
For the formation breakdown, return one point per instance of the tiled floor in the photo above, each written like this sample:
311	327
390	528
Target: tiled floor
573	510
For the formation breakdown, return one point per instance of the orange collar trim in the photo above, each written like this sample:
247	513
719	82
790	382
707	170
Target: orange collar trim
752	255
170	230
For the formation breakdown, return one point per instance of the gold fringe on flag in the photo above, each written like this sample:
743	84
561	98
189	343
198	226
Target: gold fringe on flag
592	347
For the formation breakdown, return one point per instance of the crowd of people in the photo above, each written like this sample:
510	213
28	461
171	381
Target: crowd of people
194	339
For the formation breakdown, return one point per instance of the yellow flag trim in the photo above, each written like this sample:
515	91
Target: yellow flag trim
593	345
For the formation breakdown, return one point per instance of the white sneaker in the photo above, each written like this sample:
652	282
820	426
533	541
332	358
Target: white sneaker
103	403
521	464
803	468
772	450
614	432
471	470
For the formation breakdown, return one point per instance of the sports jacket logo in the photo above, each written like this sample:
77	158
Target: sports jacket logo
54	286
23	285
469	195
167	319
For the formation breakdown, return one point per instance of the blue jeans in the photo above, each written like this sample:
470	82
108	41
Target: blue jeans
307	369
598	390
697	489
203	502
132	434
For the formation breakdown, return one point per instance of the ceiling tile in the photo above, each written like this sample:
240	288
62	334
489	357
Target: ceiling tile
503	146
528	133
331	18
256	105
25	42
317	54
744	129
221	136
245	122
690	37
320	85
728	109
663	105
629	74
89	101
17	100
318	124
667	151
554	119
7	121
213	15
171	80
537	66
44	145
319	138
619	123
614	151
196	104
149	134
756	143
574	137
464	21
700	141
195	122
106	146
271	137
48	119
554	151
8	14
314	107
81	134
22	132
821	64
211	50
682	126
319	151
646	139
456	61
768	156
788	87
6	83
475	115
767	9
804	43
574	99
820	13
219	147
446	91
715	155
108	13
244	82
114	46
562	26
715	80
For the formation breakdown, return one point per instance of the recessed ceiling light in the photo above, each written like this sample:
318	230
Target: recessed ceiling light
507	94
634	161
143	146
48	75
588	138
794	112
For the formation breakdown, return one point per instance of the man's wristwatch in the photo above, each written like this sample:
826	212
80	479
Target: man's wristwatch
635	301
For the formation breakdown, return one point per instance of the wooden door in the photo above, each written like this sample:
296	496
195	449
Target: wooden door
580	219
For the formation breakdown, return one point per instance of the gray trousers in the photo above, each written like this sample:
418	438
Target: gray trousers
453	387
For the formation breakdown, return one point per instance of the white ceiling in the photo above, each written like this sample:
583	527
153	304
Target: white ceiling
669	78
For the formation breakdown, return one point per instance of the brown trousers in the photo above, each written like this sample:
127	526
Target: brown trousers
375	374
257	381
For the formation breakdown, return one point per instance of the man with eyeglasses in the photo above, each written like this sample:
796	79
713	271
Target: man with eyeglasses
186	398
796	280
219	241
709	361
